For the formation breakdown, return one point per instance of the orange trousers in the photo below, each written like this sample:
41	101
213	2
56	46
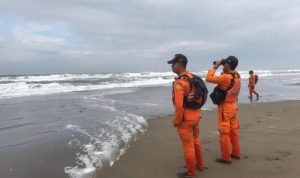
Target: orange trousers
252	90
229	130
189	134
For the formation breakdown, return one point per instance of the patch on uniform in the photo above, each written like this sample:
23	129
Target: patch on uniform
178	86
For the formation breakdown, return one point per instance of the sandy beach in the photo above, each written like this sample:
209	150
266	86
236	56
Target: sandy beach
87	87
270	146
42	135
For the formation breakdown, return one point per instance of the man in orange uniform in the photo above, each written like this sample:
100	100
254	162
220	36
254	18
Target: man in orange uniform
251	85
186	120
228	121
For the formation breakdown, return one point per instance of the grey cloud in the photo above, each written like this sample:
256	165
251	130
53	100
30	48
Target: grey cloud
137	35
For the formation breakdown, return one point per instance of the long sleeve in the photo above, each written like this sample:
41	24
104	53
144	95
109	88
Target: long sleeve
178	103
212	78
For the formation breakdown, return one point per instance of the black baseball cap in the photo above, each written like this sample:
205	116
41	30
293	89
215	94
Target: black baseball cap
179	58
232	61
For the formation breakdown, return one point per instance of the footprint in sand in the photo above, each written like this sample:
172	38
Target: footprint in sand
245	127
270	114
206	142
275	158
207	150
284	153
245	157
259	122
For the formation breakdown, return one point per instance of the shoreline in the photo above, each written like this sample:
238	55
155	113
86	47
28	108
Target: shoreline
151	151
158	152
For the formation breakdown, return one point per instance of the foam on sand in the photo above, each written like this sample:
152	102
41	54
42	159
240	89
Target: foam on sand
105	145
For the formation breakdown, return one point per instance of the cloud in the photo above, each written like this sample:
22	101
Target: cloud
32	34
133	35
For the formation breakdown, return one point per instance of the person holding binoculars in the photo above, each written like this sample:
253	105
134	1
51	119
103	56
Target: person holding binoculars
225	95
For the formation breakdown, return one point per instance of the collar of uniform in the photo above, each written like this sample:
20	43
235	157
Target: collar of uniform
184	73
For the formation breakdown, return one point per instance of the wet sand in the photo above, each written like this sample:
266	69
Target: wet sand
45	158
270	146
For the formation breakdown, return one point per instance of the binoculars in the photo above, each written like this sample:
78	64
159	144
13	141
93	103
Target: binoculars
222	62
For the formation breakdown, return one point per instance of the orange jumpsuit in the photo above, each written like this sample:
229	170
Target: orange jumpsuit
227	118
251	86
187	122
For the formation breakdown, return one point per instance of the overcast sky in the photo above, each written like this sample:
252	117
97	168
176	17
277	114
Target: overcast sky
95	36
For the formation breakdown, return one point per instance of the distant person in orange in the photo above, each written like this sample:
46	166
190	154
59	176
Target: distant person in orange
252	82
186	120
226	92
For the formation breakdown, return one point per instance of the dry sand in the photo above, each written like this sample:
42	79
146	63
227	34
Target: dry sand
270	146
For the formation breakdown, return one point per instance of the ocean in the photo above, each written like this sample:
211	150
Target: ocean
102	113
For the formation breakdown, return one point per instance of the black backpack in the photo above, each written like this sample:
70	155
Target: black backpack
197	97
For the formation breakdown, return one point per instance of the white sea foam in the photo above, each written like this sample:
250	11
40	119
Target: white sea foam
24	89
16	86
105	145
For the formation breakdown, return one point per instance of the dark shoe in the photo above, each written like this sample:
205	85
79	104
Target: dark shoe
184	175
257	97
199	169
202	169
220	160
235	157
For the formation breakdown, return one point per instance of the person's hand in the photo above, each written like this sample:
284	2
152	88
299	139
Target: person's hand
217	64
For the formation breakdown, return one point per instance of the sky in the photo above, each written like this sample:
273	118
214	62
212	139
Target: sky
103	36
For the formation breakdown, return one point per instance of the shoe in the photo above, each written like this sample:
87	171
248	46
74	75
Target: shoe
184	175
220	160
199	169
235	157
257	97
202	169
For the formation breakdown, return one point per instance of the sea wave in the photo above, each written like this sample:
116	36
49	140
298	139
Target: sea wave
26	85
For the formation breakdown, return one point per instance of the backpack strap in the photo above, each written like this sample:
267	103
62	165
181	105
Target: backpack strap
232	80
187	78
